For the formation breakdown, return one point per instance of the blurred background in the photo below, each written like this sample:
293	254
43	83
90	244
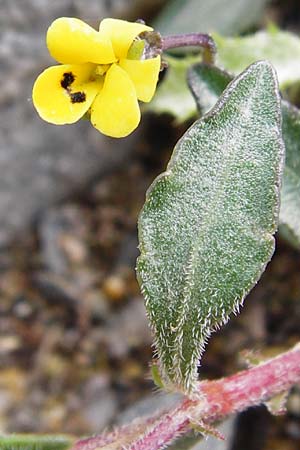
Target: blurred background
74	339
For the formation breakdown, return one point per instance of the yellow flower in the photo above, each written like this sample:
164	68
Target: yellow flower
97	75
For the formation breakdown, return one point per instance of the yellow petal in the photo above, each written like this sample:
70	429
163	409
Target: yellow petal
71	41
122	34
63	94
115	111
144	74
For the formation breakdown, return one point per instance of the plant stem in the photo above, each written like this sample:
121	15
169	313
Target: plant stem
216	400
192	39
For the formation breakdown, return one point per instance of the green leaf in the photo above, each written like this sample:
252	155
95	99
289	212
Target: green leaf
207	84
189	442
34	442
289	219
206	228
173	95
230	17
281	48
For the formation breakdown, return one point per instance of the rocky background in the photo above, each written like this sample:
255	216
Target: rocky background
74	338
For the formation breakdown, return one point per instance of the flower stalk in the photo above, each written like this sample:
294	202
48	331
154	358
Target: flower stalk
205	41
217	400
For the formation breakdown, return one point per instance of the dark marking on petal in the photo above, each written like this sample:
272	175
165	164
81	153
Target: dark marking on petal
67	80
77	97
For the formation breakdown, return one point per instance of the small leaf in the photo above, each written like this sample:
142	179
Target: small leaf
173	95
207	84
289	218
188	442
34	442
281	48
206	228
206	430
277	404
230	17
156	376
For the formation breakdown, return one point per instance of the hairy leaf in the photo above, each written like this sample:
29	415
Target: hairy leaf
207	84
289	218
230	17
173	95
189	442
206	227
34	442
281	48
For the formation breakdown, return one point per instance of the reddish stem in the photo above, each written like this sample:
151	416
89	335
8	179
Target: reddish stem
252	387
191	40
217	400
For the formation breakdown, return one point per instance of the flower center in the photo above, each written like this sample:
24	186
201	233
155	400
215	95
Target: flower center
101	69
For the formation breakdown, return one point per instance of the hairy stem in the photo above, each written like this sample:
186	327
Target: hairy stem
202	40
216	400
